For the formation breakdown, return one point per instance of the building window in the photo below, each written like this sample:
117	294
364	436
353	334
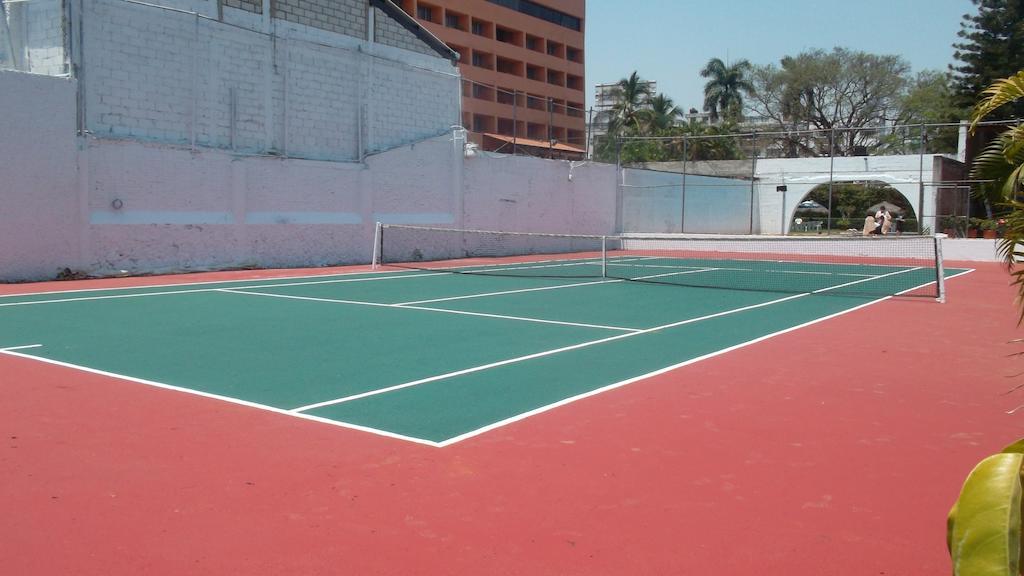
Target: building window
510	66
508	36
543	12
506	126
453	20
425	13
481	28
483	92
572	54
506	96
482	60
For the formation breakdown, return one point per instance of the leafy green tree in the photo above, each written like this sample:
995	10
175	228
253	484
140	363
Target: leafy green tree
661	114
631	96
930	98
725	88
992	47
842	89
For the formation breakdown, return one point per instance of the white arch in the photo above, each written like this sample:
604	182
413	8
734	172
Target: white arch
907	174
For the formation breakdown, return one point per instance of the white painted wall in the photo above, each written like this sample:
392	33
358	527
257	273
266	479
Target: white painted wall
801	175
102	206
523	194
40	215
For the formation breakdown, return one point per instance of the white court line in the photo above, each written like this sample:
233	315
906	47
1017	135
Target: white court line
505	292
750	270
12	348
205	282
573	347
201	290
9	352
428	309
596	391
537	355
521	290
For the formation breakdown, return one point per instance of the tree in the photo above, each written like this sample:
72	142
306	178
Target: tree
842	89
992	47
929	98
631	96
661	114
723	93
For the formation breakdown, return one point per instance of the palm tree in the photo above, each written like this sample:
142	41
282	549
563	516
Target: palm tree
661	114
723	93
1002	161
631	98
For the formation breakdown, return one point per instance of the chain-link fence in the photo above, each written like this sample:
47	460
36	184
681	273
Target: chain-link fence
801	181
32	37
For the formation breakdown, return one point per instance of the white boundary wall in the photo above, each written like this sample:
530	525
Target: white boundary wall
103	206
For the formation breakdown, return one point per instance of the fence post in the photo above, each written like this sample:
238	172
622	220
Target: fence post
920	180
753	172
682	204
831	173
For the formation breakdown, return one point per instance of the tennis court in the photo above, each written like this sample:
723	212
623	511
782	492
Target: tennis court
437	350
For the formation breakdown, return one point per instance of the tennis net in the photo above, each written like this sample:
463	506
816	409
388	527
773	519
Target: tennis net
842	265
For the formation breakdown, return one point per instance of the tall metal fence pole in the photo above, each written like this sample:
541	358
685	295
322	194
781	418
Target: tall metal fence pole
831	172
920	186
682	198
515	121
618	185
590	128
753	172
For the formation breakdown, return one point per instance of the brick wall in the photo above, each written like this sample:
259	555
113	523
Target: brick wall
390	33
169	76
254	6
340	16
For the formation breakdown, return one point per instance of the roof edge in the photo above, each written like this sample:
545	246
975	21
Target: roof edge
410	24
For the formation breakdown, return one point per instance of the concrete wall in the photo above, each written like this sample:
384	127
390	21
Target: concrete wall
40	212
524	194
103	206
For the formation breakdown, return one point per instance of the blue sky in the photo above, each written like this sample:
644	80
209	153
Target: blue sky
671	40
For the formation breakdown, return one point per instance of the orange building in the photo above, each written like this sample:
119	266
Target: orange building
522	68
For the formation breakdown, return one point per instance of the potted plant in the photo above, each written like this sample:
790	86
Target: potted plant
948	225
975	227
988	229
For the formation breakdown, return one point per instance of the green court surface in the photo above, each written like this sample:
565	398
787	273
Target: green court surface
424	356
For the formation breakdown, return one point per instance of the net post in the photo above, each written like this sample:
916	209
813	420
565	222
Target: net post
604	256
940	275
378	253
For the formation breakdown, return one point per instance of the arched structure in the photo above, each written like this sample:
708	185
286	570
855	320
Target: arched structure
783	182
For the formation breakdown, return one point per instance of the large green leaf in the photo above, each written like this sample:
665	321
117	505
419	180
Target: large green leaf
1001	92
983	530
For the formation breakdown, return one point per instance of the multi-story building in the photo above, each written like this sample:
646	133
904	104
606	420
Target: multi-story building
606	96
522	67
